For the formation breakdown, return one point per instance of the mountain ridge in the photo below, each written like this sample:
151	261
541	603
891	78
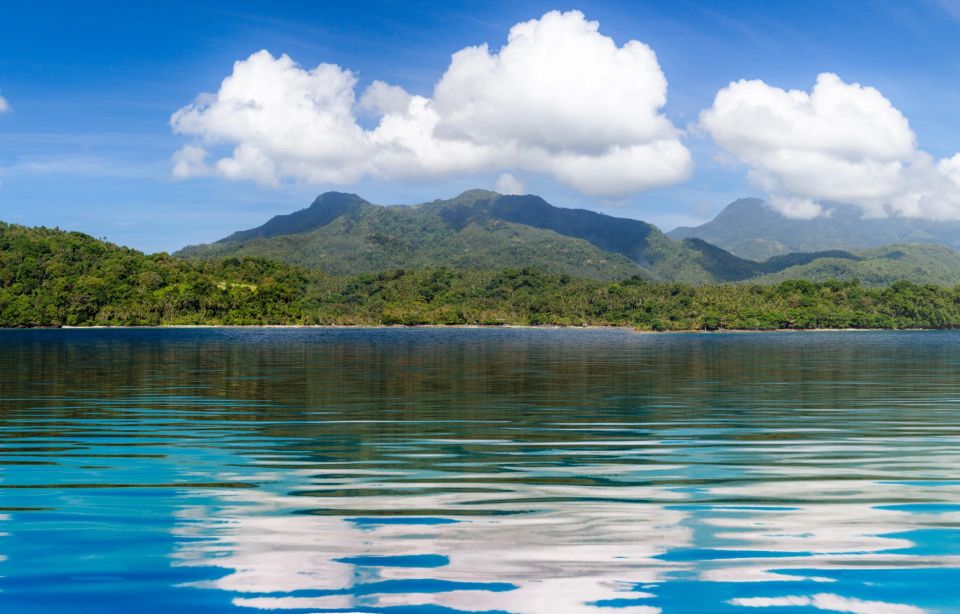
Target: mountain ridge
344	234
427	234
324	209
752	228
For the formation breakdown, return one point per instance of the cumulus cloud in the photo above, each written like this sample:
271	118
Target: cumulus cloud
508	184
4	105
559	98
190	161
384	98
839	142
281	121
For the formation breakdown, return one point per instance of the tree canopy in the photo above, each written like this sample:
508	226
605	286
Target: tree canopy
55	278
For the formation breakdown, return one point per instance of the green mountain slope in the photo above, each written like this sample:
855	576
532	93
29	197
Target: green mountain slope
751	228
368	238
344	234
930	264
324	210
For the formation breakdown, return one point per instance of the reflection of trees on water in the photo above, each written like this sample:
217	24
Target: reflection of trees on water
423	374
578	466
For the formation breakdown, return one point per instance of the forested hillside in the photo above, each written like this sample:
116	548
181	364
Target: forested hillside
882	266
342	234
479	230
57	278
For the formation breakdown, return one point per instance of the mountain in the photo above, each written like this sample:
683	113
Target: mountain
751	228
929	264
344	234
324	210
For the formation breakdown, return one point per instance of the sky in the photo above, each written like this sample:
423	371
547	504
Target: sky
158	125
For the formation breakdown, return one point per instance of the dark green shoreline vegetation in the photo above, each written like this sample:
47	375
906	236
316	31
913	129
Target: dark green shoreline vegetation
55	278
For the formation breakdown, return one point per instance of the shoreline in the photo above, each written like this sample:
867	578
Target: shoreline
480	327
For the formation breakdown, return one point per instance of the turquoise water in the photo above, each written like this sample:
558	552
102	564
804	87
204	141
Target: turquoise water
557	471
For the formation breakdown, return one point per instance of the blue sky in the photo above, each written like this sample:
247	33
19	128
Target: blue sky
87	142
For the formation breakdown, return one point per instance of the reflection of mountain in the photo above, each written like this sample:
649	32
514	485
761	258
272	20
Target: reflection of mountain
479	470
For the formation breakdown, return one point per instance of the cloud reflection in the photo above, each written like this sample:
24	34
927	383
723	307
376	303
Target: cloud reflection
829	602
522	554
344	539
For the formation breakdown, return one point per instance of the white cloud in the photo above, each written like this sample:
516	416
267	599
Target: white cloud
508	184
282	121
384	98
558	84
4	105
839	142
190	161
559	98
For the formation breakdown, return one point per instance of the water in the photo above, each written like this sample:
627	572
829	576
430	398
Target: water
557	471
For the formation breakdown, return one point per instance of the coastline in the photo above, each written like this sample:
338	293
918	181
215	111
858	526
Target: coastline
480	327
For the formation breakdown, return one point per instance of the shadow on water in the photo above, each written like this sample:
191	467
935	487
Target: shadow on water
479	471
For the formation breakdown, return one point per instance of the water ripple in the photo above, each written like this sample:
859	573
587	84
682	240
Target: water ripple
479	471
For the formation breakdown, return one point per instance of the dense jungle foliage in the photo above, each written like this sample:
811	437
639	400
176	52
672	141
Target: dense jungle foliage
55	278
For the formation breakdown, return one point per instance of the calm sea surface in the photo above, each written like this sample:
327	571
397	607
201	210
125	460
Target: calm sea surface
529	471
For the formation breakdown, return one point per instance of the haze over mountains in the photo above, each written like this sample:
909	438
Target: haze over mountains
751	228
345	234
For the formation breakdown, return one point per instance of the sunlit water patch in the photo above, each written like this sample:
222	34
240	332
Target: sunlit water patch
557	471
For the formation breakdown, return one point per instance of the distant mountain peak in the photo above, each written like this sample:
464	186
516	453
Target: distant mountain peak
477	193
474	196
335	198
325	208
752	228
746	205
